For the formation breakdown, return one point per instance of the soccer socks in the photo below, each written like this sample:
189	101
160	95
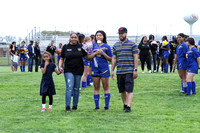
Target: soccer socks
157	68
23	68
107	100
165	68
91	81
84	84
88	80
193	88
96	100
189	87
185	87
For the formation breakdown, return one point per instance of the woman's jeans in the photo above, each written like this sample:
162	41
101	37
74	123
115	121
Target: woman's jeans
72	83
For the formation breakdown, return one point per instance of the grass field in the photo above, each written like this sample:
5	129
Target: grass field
157	106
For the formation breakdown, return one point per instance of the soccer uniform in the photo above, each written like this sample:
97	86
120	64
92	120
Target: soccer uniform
125	64
165	53
22	53
102	70
181	51
191	56
59	53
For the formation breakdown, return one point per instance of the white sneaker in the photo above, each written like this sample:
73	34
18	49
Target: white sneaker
161	72
154	71
142	72
150	71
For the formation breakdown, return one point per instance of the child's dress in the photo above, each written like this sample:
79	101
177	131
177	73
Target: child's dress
47	84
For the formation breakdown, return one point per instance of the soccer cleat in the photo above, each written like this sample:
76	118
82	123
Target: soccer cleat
96	108
68	109
128	109
106	108
74	108
49	109
43	109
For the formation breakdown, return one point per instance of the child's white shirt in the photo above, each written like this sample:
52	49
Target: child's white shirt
15	58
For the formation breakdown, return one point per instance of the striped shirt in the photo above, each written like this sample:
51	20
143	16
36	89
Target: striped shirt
124	53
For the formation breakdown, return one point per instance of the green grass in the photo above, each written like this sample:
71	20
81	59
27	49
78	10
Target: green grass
157	106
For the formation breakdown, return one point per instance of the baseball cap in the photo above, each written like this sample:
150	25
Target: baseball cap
122	30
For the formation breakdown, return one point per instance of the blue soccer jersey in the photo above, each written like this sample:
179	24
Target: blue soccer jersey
181	51
165	53
102	69
191	56
23	50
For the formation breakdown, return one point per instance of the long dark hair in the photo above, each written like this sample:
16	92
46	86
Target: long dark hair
190	40
45	52
151	37
81	38
164	38
104	36
142	39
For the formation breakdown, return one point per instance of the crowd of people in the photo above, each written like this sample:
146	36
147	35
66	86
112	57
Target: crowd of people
86	59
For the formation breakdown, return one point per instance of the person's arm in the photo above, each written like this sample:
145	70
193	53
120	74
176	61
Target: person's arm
135	74
165	48
90	57
60	65
150	53
114	61
100	51
55	69
45	67
198	61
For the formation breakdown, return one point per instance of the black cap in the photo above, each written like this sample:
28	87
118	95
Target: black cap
122	30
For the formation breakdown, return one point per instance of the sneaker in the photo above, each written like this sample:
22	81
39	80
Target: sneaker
154	71
43	109
128	109
142	72
68	109
125	106
106	108
161	72
49	109
74	108
150	71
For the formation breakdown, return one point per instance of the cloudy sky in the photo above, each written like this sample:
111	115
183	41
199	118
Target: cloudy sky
19	17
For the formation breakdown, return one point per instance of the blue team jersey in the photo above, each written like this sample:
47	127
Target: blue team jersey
100	58
165	53
191	56
199	45
181	51
22	50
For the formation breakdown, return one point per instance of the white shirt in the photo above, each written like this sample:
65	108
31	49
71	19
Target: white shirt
15	58
33	49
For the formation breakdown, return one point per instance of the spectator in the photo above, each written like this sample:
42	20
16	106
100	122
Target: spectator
51	49
37	56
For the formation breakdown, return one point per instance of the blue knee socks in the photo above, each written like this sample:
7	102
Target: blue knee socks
165	68
193	88
189	87
96	100
84	84
107	100
88	80
21	69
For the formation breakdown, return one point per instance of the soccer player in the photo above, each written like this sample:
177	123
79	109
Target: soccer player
100	68
125	56
193	64
23	56
180	60
165	53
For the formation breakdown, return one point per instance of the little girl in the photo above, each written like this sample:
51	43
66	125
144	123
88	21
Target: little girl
47	87
193	64
15	61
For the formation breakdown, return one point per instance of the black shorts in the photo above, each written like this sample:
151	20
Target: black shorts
125	82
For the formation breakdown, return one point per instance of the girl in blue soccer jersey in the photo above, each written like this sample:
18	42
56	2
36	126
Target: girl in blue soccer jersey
47	87
100	68
23	56
180	60
193	64
165	53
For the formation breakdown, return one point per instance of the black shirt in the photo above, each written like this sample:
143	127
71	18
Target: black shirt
11	48
144	49
172	47
72	55
51	50
153	47
37	51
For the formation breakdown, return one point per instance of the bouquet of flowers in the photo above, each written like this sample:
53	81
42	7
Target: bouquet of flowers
24	51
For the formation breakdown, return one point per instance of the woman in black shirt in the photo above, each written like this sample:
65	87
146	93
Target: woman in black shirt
12	50
71	55
145	54
38	56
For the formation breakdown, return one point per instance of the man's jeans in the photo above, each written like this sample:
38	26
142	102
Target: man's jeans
30	64
72	83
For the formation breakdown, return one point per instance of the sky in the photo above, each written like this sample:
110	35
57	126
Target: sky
140	17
